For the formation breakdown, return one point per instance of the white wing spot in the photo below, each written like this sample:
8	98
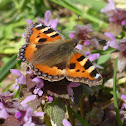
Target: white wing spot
39	25
97	76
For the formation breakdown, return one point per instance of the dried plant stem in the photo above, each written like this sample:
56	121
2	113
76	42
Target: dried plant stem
81	107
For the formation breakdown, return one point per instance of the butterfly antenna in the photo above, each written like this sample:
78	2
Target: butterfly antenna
78	18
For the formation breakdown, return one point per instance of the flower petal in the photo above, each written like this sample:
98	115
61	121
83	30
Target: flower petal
18	115
40	92
3	112
50	99
79	46
21	80
110	6
86	43
39	82
66	123
28	99
87	53
93	57
40	114
47	17
28	21
71	35
123	23
15	86
110	35
54	24
16	72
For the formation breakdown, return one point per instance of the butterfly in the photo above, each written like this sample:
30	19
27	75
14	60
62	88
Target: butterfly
53	57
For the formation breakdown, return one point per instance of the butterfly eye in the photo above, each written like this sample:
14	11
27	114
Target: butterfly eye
75	42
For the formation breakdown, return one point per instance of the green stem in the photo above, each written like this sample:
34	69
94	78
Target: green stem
95	20
115	95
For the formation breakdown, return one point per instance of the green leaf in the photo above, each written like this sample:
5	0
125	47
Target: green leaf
95	4
87	90
82	121
115	95
68	4
102	59
4	71
56	111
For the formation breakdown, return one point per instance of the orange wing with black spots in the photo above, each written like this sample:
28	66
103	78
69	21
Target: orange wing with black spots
80	69
52	57
49	73
39	33
36	35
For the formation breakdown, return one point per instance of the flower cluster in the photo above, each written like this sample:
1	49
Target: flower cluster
117	18
18	113
116	15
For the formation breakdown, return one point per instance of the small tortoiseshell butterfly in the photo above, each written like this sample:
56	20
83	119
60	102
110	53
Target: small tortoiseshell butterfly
52	57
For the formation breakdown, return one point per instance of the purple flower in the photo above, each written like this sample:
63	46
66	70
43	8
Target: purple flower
123	97
27	99
28	118
47	20
39	85
111	43
70	90
28	21
3	112
4	96
12	110
66	123
86	43
79	46
92	57
19	80
39	114
18	114
83	33
109	7
116	15
121	47
50	99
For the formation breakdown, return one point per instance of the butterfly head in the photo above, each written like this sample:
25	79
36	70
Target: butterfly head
75	42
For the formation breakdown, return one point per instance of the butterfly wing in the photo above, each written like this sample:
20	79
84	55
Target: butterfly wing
40	50
80	69
37	33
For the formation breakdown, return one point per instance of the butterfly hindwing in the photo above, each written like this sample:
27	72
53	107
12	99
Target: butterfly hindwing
80	69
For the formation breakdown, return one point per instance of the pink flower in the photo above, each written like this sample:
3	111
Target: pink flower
39	85
83	33
111	43
28	99
121	47
70	90
92	57
19	80
116	15
109	7
66	123
3	112
47	20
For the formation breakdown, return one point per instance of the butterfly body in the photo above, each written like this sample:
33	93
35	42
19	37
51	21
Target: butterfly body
52	57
